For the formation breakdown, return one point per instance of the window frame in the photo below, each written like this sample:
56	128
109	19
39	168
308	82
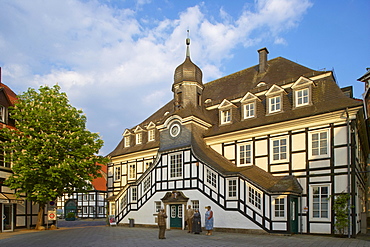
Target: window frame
139	138
245	110
127	140
131	171
273	149
134	194
157	206
255	197
297	97
117	173
232	188
176	169
195	204
211	178
283	209
147	184
151	135
3	116
327	199
270	104
311	146
225	118
239	153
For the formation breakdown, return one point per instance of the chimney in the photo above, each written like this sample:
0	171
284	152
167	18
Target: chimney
262	67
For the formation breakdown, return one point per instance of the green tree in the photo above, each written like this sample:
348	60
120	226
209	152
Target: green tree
51	150
341	212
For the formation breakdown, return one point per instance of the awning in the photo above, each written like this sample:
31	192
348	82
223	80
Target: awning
10	198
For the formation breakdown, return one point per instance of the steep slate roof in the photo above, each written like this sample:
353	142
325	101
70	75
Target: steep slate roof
280	72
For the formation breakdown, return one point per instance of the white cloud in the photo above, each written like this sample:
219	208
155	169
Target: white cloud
109	60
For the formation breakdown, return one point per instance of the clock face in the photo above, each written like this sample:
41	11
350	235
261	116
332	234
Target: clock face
175	130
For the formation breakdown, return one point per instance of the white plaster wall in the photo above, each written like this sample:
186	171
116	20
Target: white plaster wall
261	147
222	218
340	156
217	148
139	166
340	182
187	156
323	228
298	161
229	152
340	135
320	179
298	142
319	163
279	168
279	226
262	163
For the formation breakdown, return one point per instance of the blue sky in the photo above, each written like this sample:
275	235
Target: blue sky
115	59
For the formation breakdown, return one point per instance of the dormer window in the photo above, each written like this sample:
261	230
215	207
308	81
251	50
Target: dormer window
127	141
302	91
274	99
139	138
248	110
225	112
226	116
302	97
275	104
151	135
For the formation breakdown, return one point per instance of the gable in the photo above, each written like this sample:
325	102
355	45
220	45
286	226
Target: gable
275	89
302	82
226	104
249	97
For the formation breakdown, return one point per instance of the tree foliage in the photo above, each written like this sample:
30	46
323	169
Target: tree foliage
341	213
51	150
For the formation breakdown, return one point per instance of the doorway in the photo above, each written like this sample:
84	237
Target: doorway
176	216
7	217
294	215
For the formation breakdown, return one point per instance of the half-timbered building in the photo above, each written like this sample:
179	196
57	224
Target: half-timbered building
267	147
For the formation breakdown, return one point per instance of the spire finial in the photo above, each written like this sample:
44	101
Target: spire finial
187	45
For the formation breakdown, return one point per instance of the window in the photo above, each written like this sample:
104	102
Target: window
320	202
2	114
232	187
302	97
132	171
279	149
319	143
279	207
124	201
226	116
195	204
92	197
211	178
84	210
176	165
91	209
127	141
254	197
134	194
151	135
274	104
245	154
248	110
3	159
157	206
139	138
86	197
101	210
117	173
146	185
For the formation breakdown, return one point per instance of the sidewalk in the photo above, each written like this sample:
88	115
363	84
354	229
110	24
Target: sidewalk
125	236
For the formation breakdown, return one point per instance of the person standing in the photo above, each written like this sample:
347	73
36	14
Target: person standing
209	220
162	224
189	218
197	226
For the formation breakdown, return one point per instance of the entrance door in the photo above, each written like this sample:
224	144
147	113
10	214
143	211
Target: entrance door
176	216
70	207
294	215
7	217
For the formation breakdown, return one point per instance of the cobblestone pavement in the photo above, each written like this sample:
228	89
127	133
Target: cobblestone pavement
89	236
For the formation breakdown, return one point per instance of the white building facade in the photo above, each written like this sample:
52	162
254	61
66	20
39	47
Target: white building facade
268	148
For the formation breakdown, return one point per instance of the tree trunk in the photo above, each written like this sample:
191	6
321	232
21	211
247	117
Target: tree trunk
40	217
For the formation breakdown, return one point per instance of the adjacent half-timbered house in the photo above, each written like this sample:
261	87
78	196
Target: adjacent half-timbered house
91	204
267	148
15	212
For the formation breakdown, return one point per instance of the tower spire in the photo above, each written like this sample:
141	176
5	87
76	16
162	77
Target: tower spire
188	45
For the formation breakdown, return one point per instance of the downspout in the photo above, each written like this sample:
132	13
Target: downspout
348	173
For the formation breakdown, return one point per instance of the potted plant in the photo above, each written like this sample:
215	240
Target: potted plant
70	216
